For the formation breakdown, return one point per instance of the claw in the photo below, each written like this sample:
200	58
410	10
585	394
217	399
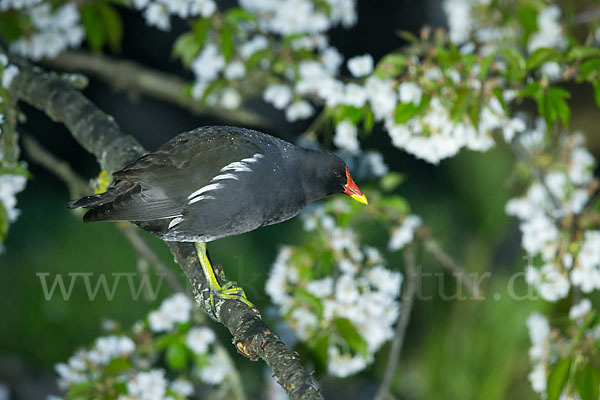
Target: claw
230	290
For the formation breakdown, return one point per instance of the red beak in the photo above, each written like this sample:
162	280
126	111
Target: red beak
352	190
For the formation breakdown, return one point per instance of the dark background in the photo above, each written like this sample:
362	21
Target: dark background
454	349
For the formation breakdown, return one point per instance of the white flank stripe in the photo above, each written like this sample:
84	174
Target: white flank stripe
196	199
237	166
254	158
174	222
204	189
225	176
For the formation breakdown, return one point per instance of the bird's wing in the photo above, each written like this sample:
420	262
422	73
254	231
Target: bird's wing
162	184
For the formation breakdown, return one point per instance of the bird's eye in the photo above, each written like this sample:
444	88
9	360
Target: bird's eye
335	173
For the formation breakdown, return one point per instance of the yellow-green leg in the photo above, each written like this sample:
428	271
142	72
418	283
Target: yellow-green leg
228	291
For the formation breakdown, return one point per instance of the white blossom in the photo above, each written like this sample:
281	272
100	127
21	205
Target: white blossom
8	75
580	309
538	378
299	110
53	32
321	288
110	347
199	339
10	185
343	365
278	95
235	70
150	385
459	19
388	282
550	31
404	234
216	370
208	64
354	95
230	98
410	92
360	65
253	45
182	387
346	136
175	309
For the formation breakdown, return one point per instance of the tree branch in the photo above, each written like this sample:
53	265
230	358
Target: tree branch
433	247
100	135
134	78
78	187
407	302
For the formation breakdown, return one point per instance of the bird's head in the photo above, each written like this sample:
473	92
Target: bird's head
326	174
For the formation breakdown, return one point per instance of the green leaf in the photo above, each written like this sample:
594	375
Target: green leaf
581	52
391	181
117	365
474	113
4	224
498	93
588	68
164	341
236	14
587	380
227	42
541	56
112	25
176	356
528	17
186	48
319	348
486	63
369	120
354	114
13	25
390	66
597	92
559	107
461	104
531	90
257	57
81	389
516	63
397	203
313	301
408	36
404	112
347	331
558	378
92	22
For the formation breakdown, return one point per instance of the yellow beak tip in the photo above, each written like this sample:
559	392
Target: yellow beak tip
361	199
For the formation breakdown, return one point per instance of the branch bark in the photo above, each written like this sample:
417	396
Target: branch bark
134	78
100	135
408	298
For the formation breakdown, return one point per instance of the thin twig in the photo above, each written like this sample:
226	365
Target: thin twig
459	271
524	156
99	134
132	77
587	16
78	187
146	252
408	297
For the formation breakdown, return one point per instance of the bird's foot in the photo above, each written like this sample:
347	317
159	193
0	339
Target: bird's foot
230	291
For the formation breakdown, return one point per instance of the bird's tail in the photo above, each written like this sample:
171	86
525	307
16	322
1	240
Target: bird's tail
94	200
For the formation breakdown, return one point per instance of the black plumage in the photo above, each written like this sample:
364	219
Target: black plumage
214	182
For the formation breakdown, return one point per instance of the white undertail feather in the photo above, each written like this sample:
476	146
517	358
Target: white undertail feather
199	198
174	222
236	166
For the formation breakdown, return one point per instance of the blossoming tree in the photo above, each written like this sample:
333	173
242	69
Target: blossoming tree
469	87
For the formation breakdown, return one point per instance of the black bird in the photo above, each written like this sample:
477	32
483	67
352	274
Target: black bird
214	182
